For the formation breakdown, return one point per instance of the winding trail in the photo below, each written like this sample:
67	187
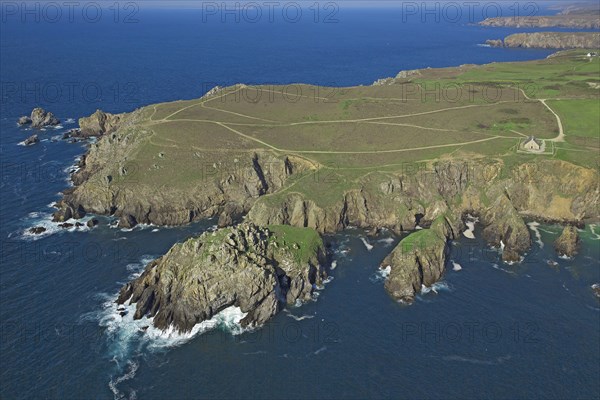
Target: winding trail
561	131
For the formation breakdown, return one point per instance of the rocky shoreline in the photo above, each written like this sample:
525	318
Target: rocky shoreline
553	21
256	269
250	261
550	40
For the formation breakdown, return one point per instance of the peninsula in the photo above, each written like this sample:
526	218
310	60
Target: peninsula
550	40
280	165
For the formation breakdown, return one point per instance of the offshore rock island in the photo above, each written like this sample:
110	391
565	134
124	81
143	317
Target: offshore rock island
278	166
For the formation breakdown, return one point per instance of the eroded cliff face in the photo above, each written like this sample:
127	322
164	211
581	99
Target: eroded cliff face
558	21
100	123
256	269
108	182
256	184
419	259
550	40
501	195
437	198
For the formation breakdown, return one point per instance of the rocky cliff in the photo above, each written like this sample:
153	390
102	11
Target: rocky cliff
568	242
419	259
550	40
554	21
99	123
256	269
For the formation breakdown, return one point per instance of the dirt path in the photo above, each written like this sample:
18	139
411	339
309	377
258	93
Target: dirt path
561	132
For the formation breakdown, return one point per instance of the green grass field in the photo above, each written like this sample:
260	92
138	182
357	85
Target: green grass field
346	133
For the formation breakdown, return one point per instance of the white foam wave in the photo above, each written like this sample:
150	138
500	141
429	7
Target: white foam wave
333	264
70	121
368	245
551	263
381	274
44	220
133	367
538	236
456	266
322	349
436	288
295	317
499	268
386	241
595	236
471	221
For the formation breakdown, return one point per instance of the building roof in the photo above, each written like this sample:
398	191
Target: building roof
533	138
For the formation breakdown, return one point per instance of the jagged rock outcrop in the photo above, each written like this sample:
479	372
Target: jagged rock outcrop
256	269
39	118
506	229
37	230
99	123
33	139
596	289
568	242
24	120
550	40
419	259
554	21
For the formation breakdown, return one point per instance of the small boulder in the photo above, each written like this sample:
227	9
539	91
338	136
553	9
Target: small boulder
92	223
36	230
33	139
127	221
62	215
24	120
65	225
78	212
568	242
596	289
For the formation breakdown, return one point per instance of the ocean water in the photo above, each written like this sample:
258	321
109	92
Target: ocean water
487	330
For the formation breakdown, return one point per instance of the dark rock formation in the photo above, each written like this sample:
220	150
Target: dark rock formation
246	266
33	139
67	212
127	221
41	118
568	242
92	223
37	230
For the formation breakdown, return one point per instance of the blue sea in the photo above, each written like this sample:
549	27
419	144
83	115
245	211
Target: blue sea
488	330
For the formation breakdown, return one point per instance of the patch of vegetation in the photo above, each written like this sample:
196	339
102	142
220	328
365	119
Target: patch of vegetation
302	243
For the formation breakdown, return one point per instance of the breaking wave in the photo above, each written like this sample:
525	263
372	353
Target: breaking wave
538	236
381	274
368	245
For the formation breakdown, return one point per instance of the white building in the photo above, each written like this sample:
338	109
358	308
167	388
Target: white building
533	144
